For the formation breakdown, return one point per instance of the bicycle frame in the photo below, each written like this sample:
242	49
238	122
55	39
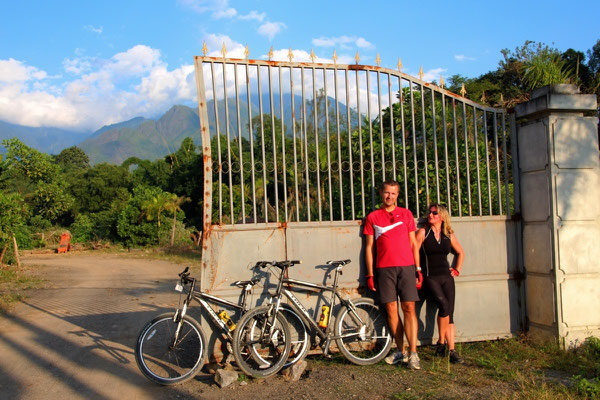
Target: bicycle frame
326	335
204	299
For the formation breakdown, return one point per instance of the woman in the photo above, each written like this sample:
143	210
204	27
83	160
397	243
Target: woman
436	240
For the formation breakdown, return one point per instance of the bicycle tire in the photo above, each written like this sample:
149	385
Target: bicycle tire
255	357
161	363
299	336
368	346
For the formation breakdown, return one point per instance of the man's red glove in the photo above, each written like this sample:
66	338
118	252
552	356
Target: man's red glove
454	272
370	283
419	280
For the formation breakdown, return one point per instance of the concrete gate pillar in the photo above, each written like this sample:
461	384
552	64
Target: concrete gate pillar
559	172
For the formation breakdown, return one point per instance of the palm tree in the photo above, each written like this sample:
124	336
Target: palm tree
174	205
164	201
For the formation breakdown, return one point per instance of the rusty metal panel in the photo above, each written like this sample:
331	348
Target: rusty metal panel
489	301
297	168
285	154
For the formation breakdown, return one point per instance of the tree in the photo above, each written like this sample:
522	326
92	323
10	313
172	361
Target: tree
73	158
174	206
96	188
26	162
52	201
12	219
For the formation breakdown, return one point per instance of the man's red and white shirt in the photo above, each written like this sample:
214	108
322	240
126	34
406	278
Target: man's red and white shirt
390	231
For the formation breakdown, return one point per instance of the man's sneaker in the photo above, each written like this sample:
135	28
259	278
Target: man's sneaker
440	350
414	362
454	357
397	357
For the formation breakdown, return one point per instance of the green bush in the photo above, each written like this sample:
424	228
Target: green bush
133	228
588	388
82	230
182	234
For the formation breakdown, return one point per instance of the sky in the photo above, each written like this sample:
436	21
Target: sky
80	65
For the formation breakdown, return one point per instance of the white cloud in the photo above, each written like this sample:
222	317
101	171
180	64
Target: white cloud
226	13
253	15
344	42
214	42
92	28
128	84
462	57
77	66
202	6
270	29
433	74
12	70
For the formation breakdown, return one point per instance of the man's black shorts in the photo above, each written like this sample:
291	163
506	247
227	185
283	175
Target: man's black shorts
394	282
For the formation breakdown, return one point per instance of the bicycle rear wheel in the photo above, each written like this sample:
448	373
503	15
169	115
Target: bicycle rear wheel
363	343
261	350
164	361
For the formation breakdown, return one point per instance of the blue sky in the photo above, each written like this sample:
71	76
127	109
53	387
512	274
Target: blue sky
83	64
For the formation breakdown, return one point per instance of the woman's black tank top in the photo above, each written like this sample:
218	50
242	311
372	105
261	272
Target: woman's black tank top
434	255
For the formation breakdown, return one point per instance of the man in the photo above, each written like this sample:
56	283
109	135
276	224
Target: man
392	229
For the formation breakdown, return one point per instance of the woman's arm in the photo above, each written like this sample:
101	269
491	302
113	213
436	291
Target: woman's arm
458	250
420	237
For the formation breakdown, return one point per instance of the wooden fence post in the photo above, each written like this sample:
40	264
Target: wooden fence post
16	251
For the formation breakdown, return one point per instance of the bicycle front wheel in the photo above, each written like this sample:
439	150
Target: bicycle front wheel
363	338
260	349
167	361
298	335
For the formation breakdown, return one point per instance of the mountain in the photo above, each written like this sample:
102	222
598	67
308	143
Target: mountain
143	138
151	139
46	140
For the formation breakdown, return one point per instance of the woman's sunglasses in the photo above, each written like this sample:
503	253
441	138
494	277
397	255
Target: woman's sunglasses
433	212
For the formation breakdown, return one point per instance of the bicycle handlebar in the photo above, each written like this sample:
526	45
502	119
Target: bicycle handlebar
185	276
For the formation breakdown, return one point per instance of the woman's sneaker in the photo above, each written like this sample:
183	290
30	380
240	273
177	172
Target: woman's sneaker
414	362
454	357
440	350
397	357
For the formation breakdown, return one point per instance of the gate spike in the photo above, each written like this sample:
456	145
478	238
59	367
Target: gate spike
312	55
290	55
378	60
224	50
399	65
334	57
442	83
270	54
246	52
463	91
357	58
421	73
501	99
204	49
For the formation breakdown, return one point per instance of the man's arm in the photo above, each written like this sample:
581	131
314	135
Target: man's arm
415	247
369	254
369	251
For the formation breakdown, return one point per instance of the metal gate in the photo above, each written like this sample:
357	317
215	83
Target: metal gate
294	153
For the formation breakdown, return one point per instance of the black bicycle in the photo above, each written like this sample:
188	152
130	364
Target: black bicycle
360	330
171	348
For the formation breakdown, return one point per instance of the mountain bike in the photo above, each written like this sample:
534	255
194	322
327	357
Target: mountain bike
171	348
360	330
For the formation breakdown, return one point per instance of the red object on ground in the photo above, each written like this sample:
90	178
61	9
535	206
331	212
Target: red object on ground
65	243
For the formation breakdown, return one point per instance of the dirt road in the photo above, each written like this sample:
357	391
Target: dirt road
74	339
